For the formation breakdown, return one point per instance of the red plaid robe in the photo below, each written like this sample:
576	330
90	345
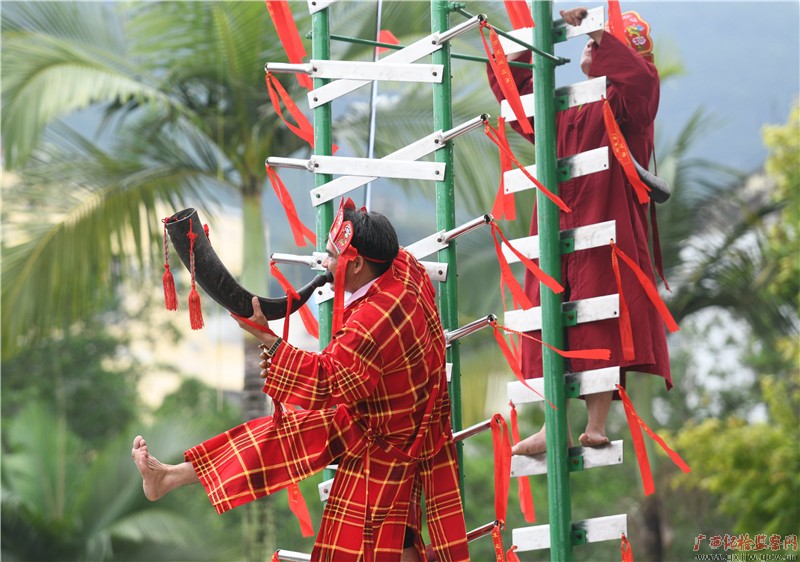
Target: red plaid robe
376	398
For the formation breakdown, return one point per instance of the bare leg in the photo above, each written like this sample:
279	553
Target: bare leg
597	407
159	478
537	443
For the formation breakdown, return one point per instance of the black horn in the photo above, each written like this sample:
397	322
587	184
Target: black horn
217	281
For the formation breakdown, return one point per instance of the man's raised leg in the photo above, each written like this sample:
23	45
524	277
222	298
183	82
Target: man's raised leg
158	478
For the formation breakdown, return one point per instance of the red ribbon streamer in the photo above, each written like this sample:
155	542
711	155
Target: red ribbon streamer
309	322
514	364
519	14
281	16
620	149
625	331
599	353
636	424
499	65
297	504
502	465
497	541
300	231
511	556
495	137
551	283
649	289
625	549
523	482
615	25
386	36
304	129
504	203
275	557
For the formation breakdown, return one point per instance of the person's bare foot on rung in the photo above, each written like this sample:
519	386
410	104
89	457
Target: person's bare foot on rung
535	444
593	439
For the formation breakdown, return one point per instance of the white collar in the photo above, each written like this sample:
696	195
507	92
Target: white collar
358	293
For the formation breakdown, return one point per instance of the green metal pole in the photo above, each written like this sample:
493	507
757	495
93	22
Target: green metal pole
558	491
323	141
445	214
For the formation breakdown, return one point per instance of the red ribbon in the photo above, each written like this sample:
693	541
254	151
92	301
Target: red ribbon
620	149
551	283
504	203
300	231
310	323
599	353
519	14
275	557
523	482
635	424
625	549
386	36
649	289
502	465
297	504
615	25
345	257
281	16
625	331
497	541
304	129
495	137
511	556
499	65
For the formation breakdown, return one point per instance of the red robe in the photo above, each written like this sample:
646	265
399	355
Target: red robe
633	91
376	399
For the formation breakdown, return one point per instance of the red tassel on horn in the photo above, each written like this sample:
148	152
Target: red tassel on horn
195	311
167	280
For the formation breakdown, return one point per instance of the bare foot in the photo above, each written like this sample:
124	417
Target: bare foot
535	444
593	439
152	470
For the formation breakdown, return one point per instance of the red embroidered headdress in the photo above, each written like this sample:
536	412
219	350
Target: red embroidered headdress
341	238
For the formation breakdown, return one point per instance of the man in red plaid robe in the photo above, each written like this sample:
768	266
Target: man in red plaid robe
375	399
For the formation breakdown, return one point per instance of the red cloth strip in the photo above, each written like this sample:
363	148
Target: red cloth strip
386	36
636	424
599	353
497	541
257	326
523	482
511	556
507	278
309	322
615	25
304	129
493	135
625	549
300	231
551	283
281	16
499	65
649	288
502	465
514	364
620	149
504	203
625	331
275	556
297	504
519	14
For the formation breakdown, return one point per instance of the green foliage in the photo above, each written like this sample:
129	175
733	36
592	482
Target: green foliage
65	373
752	468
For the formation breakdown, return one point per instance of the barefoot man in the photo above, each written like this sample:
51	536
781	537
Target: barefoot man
375	399
632	94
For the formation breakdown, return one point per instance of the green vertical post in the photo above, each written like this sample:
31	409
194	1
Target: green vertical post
558	491
323	141
445	213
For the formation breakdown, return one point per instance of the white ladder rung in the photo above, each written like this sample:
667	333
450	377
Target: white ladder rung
594	21
593	457
598	529
587	91
586	310
583	237
582	164
588	382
